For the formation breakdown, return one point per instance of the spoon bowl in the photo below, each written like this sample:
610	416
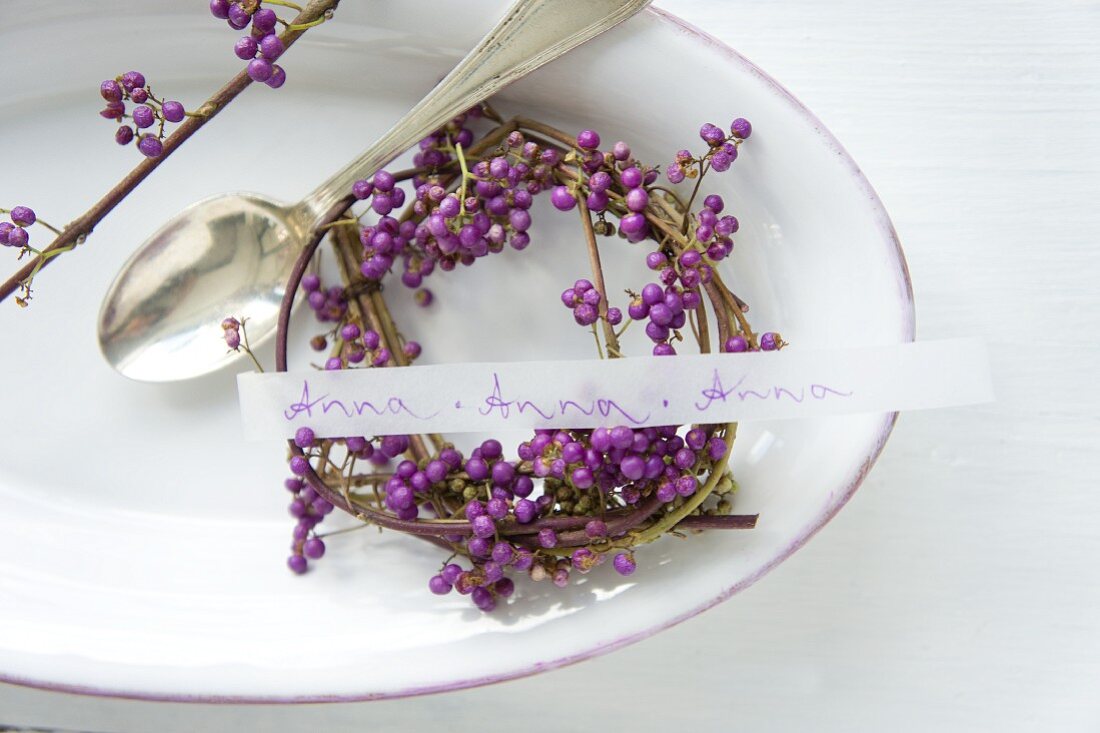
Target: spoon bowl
223	256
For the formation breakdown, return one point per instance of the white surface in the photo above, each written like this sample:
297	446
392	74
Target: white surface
179	575
958	590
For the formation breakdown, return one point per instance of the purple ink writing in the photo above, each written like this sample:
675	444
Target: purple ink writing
717	392
306	405
496	402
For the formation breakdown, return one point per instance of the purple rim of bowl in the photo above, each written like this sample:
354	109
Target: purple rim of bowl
908	332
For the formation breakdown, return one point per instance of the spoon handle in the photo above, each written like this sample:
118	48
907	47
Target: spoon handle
530	34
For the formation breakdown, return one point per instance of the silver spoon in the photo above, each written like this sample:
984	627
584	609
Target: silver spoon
231	254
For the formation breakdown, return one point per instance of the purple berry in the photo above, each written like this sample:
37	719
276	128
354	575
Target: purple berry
18	237
246	48
595	528
520	220
271	46
260	69
721	161
150	146
633	467
304	437
173	111
637	199
219	9
588	139
23	216
384	181
584	559
439	585
525	511
483	526
483	599
278	77
144	116
597	200
737	344
741	128
600	181
362	189
505	587
634	224
712	134
110	91
562	199
264	19
497	508
716	448
314	548
238	17
624	563
133	80
631	177
450	573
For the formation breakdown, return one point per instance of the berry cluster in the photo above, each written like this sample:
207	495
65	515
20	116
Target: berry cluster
722	153
458	216
14	233
308	508
584	300
148	112
611	176
262	46
573	498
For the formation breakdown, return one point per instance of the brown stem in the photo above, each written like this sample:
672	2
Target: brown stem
597	275
82	226
734	304
729	521
543	129
703	167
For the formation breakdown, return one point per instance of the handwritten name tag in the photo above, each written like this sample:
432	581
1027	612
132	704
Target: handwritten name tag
481	397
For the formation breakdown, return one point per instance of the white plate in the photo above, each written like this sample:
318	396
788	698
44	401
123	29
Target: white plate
142	543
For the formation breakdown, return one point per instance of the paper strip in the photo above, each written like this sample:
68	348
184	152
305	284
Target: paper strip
715	388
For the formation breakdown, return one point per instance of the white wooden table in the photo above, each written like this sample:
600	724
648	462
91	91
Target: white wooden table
960	589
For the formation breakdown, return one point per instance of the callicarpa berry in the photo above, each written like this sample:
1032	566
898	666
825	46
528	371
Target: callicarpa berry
588	139
150	146
246	48
260	69
17	237
741	128
143	116
23	216
624	563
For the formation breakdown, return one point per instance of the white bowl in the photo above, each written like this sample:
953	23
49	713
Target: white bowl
142	542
